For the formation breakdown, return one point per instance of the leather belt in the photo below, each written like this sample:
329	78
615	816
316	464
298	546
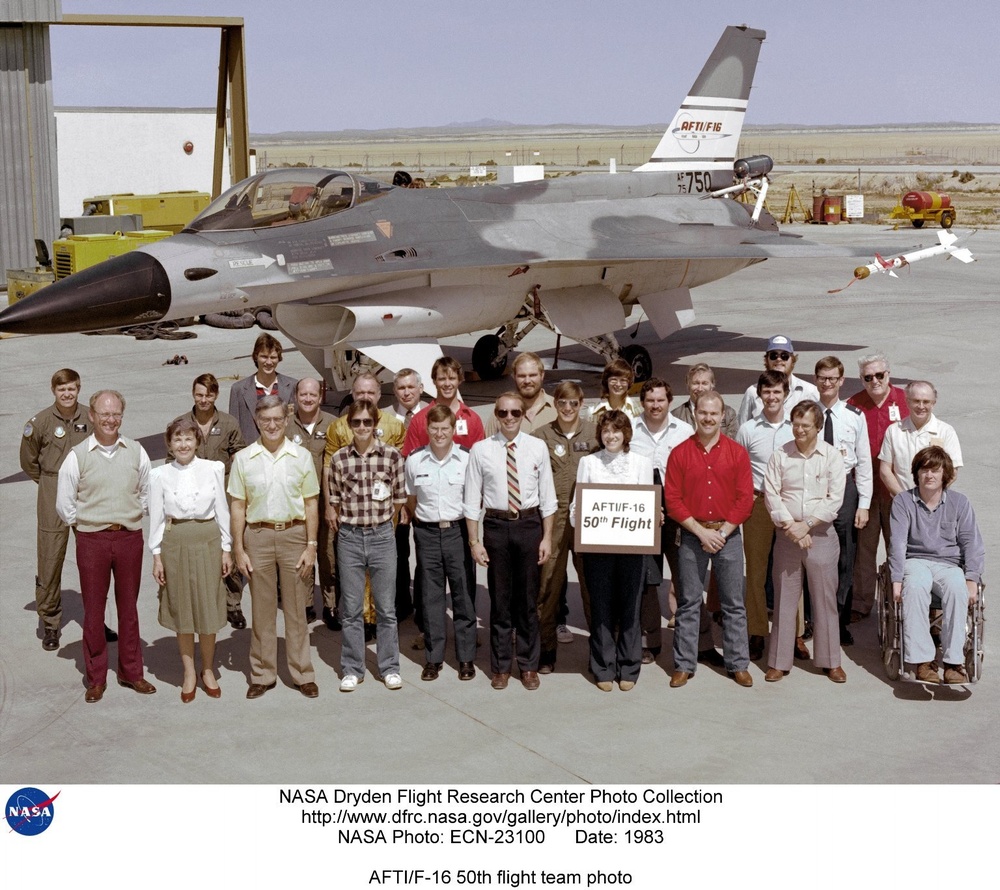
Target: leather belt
276	526
444	523
512	515
710	524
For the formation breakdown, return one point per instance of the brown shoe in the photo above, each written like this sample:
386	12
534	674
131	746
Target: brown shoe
773	675
679	678
500	681
801	650
143	687
95	693
309	690
605	685
742	678
836	674
927	673
529	680
256	690
955	673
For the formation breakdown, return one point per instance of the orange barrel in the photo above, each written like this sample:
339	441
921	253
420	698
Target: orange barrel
831	209
818	207
921	201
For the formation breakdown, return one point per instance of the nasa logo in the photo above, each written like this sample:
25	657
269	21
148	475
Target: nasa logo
30	811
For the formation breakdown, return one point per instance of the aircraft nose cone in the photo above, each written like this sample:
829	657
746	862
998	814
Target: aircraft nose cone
126	290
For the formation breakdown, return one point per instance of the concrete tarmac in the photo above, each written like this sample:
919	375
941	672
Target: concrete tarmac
937	321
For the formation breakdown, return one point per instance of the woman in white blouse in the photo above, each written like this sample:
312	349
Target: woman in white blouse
616	381
803	490
191	544
615	579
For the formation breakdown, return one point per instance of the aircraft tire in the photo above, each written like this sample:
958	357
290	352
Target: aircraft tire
486	359
642	365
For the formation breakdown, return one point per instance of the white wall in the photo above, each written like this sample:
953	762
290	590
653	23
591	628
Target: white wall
108	151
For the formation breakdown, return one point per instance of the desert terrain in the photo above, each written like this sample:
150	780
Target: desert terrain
962	160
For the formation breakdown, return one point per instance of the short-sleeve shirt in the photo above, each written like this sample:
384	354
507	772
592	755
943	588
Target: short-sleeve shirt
274	486
438	485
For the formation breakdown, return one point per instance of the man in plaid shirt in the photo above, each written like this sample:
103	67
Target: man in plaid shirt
366	490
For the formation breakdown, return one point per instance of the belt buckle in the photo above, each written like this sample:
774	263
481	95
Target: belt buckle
513	514
280	526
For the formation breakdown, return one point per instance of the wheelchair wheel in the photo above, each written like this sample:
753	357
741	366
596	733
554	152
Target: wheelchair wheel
974	639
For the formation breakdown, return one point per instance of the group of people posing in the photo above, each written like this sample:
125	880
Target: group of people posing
277	489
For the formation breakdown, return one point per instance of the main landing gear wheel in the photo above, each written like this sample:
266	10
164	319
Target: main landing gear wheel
487	361
642	365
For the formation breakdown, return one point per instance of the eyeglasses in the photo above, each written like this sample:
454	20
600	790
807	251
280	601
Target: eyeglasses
618	381
774	355
830	380
358	422
110	416
879	375
504	413
567	403
271	422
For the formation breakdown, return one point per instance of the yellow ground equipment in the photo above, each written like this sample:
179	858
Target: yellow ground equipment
167	210
82	251
918	207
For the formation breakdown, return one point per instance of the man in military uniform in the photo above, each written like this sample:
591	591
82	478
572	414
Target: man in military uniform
307	427
48	438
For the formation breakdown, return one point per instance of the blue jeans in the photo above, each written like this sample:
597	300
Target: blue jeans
728	567
371	550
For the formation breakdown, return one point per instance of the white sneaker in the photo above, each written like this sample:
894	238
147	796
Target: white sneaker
564	634
349	683
393	681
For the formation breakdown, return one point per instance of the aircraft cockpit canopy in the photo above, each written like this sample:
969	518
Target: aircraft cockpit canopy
286	196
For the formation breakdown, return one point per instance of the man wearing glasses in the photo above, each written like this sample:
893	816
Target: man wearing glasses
540	408
275	523
367	488
845	428
102	494
882	405
779	356
568	438
509	475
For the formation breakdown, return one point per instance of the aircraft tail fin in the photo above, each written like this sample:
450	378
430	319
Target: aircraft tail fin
705	131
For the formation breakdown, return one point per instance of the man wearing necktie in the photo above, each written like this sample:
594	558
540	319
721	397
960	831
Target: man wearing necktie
509	475
845	428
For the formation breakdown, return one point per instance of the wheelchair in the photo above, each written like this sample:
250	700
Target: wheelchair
890	631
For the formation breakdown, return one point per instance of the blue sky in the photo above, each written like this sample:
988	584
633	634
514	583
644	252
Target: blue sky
329	65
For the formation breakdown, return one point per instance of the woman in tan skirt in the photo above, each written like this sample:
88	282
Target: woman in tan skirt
191	544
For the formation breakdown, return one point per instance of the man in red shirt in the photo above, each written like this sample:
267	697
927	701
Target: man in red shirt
447	376
882	405
709	492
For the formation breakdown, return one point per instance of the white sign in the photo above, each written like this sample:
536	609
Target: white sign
477	171
854	206
618	518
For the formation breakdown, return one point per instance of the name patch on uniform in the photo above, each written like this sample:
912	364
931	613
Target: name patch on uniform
215	431
582	446
79	427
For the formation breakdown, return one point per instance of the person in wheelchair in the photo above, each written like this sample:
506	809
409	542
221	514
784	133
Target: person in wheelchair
935	548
